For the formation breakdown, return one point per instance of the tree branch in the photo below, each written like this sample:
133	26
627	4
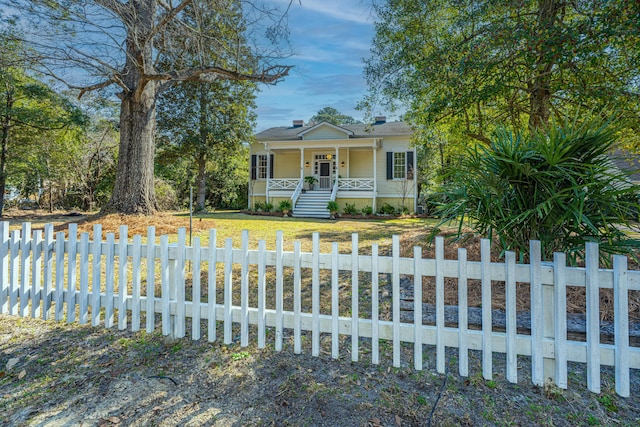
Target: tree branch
166	19
269	75
91	88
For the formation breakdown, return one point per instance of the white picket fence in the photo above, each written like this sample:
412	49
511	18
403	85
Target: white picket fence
41	274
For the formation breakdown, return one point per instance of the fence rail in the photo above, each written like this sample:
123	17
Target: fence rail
41	274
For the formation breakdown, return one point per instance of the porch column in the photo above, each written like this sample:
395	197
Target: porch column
268	174
337	164
375	177
301	162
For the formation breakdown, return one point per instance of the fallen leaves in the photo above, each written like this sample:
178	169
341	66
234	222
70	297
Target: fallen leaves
11	363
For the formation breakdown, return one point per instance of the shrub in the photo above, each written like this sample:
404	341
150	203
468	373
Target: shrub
285	205
367	210
559	187
332	206
386	209
350	209
258	206
166	195
267	207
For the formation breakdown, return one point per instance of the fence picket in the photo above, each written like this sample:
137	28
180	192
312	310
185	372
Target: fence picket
335	301
375	306
72	262
244	291
463	324
560	306
228	280
511	320
4	267
47	295
440	349
487	325
195	290
621	319
84	278
150	316
537	361
25	268
211	286
96	267
58	293
135	282
36	277
417	312
262	290
315	295
355	296
165	286
279	289
395	293
109	280
178	284
297	282
593	317
123	261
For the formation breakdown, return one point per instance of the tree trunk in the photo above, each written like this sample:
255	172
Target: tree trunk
201	183
540	85
133	189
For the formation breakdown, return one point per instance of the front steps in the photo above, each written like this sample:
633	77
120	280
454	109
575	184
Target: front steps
312	204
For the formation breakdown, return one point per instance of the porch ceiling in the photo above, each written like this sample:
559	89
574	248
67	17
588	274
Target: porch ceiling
323	144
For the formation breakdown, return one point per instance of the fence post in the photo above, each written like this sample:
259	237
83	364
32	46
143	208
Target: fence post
4	267
548	330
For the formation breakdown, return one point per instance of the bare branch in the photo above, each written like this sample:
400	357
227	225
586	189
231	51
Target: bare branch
91	88
269	75
166	19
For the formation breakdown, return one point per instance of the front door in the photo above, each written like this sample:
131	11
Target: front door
325	176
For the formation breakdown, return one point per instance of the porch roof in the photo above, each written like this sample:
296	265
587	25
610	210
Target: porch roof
360	130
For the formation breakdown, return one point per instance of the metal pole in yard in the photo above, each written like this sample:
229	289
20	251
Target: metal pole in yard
190	217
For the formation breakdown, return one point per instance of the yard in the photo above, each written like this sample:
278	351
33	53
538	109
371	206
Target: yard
57	373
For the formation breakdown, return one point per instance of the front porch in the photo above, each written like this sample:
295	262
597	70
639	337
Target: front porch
313	202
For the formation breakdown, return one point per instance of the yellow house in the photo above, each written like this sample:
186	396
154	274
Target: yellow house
367	165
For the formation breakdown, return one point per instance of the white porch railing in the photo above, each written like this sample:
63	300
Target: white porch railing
283	183
334	192
296	193
355	184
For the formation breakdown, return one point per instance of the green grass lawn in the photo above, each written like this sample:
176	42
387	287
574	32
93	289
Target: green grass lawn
231	224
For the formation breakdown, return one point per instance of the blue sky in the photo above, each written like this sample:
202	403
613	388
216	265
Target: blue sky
330	38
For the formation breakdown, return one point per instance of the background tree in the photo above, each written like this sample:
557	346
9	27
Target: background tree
118	44
38	126
474	65
208	121
333	116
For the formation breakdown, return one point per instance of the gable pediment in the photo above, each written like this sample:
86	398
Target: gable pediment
325	130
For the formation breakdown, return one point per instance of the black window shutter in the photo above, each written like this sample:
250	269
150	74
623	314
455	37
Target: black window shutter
389	165
409	164
271	166
254	164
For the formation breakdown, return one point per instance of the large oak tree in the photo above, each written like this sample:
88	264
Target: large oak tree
117	44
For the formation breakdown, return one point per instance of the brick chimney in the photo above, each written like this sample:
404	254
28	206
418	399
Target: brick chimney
298	123
380	120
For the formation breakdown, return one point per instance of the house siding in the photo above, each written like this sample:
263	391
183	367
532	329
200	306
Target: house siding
324	132
391	186
360	164
287	165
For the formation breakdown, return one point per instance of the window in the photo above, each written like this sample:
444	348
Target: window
262	166
259	166
400	165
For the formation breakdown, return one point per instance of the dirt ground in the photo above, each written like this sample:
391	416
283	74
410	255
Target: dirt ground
59	374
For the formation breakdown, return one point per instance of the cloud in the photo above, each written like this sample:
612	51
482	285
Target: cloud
358	12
